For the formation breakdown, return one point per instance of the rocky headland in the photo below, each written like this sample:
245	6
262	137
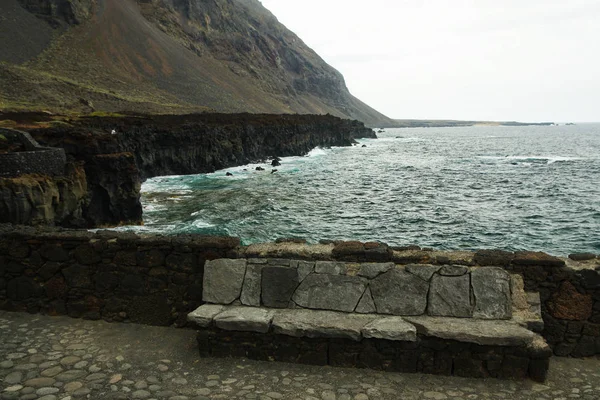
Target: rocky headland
109	168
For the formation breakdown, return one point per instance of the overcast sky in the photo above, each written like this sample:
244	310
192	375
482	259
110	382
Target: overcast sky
525	60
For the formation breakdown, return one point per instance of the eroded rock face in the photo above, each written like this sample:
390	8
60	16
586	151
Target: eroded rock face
44	200
60	12
569	304
115	165
398	292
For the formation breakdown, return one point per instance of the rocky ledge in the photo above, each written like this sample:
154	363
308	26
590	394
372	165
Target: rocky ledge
116	153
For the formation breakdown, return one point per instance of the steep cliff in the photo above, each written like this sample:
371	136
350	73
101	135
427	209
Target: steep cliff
165	56
198	143
45	200
102	184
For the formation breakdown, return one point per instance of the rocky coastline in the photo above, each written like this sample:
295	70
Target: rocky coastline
143	146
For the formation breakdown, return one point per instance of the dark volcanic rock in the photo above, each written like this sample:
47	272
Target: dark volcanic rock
278	285
582	256
113	166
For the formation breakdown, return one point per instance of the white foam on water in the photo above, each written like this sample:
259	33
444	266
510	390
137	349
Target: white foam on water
154	206
199	224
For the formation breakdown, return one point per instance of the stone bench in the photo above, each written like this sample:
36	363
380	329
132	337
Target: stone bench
452	320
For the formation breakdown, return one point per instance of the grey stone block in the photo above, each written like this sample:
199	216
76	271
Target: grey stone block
423	271
366	305
327	324
305	268
251	288
398	292
330	292
278	285
482	332
245	319
331	267
450	296
517	290
204	315
491	288
223	280
372	270
453	270
390	328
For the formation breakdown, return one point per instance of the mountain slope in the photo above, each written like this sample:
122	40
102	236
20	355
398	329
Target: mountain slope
165	56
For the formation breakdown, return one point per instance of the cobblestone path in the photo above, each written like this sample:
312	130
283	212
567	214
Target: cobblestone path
51	358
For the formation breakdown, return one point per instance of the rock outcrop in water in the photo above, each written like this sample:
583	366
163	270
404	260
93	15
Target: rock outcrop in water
148	146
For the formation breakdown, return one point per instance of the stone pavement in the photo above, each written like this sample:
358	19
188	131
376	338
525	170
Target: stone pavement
51	358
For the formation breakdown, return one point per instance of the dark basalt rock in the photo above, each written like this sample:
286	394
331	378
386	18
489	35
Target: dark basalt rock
112	167
582	256
276	162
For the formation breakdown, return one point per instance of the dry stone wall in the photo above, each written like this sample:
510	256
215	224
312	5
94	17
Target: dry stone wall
365	288
158	280
36	160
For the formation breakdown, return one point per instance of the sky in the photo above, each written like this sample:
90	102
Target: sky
497	60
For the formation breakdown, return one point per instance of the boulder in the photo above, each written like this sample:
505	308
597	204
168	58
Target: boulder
582	256
399	292
450	296
491	288
223	280
330	292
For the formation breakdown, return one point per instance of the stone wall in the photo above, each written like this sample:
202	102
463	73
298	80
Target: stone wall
427	355
364	288
158	280
36	160
105	275
46	161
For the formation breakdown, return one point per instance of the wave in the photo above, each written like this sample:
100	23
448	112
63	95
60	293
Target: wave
531	159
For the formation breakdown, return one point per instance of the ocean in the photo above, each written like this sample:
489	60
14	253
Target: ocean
514	188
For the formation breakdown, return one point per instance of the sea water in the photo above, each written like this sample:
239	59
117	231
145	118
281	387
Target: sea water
514	188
